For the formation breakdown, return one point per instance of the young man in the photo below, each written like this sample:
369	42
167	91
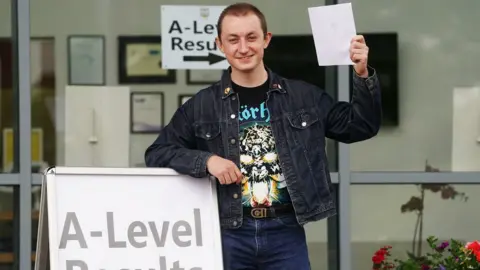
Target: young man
263	138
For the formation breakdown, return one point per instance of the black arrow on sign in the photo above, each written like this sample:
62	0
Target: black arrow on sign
211	58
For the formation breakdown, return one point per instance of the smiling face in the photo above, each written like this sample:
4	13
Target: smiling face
243	41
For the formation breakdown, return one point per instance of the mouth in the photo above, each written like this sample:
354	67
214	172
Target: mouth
245	57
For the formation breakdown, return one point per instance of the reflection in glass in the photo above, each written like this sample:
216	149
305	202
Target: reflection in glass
404	216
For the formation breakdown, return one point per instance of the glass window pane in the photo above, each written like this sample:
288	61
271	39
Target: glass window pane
322	239
61	57
427	59
8	227
404	216
317	239
42	68
8	108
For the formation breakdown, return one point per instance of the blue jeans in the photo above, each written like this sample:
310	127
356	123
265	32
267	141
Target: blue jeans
263	244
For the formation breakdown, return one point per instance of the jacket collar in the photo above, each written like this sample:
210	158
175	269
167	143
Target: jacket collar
226	83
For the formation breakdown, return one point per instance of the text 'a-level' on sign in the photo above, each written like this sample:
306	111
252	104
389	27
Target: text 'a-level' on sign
188	37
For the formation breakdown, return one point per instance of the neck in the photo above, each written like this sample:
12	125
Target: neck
252	78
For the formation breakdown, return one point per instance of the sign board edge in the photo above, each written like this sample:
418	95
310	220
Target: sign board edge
42	252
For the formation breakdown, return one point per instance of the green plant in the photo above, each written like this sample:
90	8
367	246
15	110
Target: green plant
416	204
447	255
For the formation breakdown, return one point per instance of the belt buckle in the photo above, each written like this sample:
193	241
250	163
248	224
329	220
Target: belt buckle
259	212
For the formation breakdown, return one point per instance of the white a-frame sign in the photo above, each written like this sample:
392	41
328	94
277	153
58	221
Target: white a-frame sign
127	218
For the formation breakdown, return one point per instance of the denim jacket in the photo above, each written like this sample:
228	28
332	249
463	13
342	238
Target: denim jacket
301	116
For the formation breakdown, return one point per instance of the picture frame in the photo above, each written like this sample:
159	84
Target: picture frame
147	113
183	98
204	76
86	59
140	61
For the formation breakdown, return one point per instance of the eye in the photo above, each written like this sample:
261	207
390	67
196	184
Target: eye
270	157
244	159
252	38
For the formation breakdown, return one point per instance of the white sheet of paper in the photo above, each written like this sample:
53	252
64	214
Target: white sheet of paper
333	27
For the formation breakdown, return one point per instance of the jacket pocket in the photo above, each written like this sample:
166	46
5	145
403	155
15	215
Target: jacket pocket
308	150
305	126
208	136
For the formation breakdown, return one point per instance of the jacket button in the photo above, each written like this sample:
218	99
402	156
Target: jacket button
232	141
235	223
232	116
304	124
233	98
235	195
208	135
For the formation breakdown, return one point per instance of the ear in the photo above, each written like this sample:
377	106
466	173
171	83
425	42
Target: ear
268	38
219	44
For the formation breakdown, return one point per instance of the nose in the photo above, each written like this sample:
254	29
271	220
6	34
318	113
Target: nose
243	46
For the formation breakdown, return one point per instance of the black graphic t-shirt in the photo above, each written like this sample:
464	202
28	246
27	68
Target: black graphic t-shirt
264	184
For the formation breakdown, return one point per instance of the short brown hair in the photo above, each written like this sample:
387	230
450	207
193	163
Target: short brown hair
241	9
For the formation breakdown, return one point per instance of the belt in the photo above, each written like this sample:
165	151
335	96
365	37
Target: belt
268	212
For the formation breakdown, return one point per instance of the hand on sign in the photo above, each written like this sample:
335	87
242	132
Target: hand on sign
224	170
359	55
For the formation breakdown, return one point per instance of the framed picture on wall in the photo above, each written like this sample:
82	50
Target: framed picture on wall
140	61
183	98
86	60
204	76
147	112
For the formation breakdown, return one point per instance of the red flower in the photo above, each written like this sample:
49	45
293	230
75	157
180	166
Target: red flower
474	246
378	258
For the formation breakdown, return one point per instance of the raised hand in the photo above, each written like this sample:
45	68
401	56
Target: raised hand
359	55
